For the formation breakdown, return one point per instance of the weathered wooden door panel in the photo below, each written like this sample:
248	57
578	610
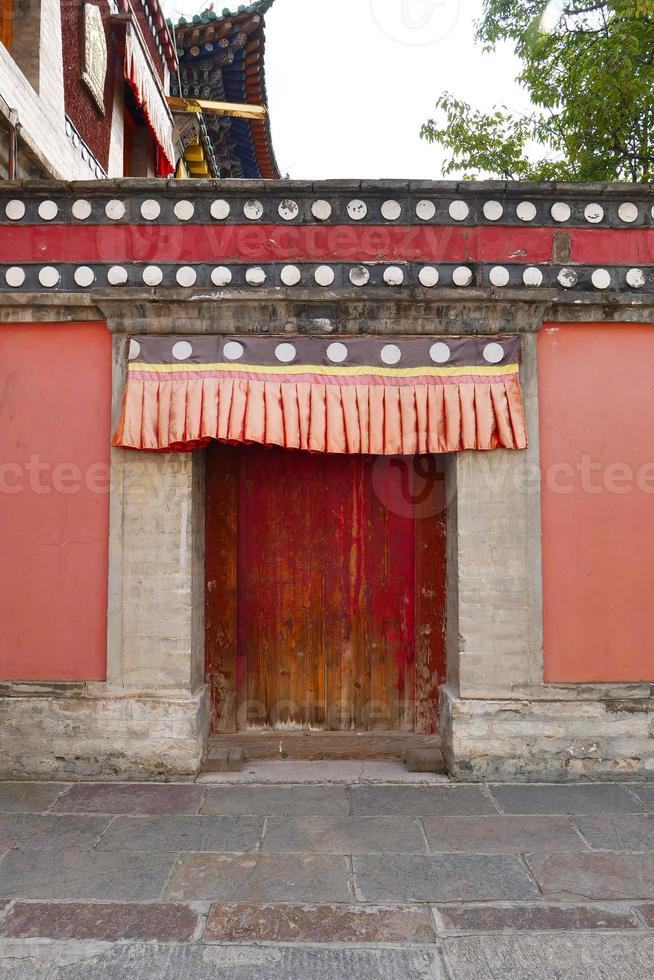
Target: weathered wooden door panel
333	584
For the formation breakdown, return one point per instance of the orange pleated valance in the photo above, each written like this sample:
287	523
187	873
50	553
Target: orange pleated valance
369	395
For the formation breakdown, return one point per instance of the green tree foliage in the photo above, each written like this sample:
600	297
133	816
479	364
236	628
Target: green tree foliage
588	68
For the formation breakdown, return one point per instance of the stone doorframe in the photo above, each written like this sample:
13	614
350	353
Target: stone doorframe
499	720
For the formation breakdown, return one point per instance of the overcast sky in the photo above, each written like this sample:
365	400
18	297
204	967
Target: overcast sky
351	81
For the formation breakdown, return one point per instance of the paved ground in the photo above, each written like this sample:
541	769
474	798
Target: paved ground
324	881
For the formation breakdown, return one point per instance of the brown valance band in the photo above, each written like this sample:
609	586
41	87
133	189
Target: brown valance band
398	396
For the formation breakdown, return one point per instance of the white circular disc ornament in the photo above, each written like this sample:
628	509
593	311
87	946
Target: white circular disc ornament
440	353
15	276
285	353
462	276
635	278
15	210
601	278
150	210
48	210
321	210
134	350
593	213
221	276
561	211
493	353
357	210
458	210
526	211
219	210
499	276
233	351
288	210
182	350
628	213
255	276
324	275
428	276
253	210
184	210
186	275
84	276
359	275
152	275
49	276
493	210
568	278
393	275
425	210
116	275
391	354
391	210
532	276
81	210
337	353
290	275
115	210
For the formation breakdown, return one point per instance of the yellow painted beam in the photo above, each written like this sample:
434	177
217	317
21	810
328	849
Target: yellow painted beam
239	109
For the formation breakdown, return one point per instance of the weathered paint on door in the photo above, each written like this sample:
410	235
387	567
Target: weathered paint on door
325	590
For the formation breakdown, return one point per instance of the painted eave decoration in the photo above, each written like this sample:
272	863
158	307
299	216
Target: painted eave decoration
158	26
221	59
558	242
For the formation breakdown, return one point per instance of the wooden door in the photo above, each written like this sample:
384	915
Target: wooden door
325	590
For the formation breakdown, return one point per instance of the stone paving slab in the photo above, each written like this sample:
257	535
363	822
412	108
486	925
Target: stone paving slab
344	835
546	957
585	798
183	833
85	875
323	772
39	831
501	834
118	921
102	961
29	797
153	798
623	832
371	801
283	801
531	918
319	924
594	875
261	878
441	878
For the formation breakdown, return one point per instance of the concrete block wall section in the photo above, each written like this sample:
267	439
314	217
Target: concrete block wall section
85	735
494	566
541	740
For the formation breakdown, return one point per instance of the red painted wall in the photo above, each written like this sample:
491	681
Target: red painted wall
597	455
55	399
